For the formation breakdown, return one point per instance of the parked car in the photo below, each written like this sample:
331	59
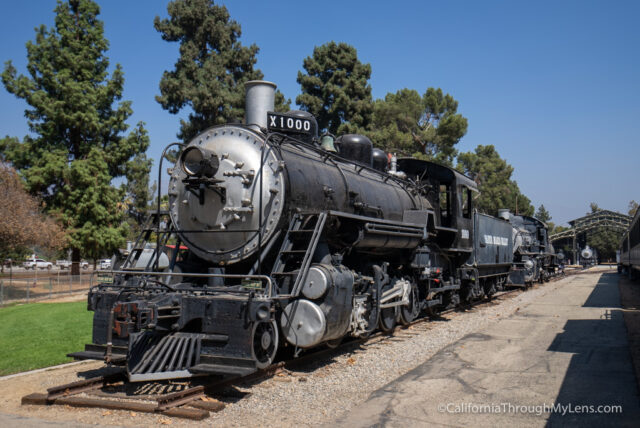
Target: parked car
105	264
37	263
63	264
66	264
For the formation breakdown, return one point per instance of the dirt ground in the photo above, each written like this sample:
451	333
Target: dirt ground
75	297
630	303
13	389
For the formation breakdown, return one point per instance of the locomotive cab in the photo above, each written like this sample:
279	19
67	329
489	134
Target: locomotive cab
451	195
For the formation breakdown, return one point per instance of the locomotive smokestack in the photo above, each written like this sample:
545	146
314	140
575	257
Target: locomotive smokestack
260	99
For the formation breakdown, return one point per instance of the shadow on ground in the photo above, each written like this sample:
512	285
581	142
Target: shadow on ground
600	372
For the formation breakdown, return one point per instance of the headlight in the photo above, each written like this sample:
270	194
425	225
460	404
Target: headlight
196	162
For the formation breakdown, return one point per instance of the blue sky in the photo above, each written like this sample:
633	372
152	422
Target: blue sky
554	85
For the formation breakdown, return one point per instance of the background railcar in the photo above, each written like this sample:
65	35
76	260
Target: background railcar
630	248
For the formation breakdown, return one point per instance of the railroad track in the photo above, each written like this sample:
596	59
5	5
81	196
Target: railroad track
193	399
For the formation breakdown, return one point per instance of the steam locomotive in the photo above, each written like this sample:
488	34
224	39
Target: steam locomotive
535	259
294	241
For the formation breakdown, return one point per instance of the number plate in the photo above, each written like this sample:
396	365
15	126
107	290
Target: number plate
286	123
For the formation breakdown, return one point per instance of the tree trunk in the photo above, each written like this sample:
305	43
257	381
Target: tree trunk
75	261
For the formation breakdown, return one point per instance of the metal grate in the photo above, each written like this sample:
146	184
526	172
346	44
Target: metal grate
153	356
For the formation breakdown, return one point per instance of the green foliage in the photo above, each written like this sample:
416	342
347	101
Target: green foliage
542	214
138	194
427	126
41	334
493	176
335	89
213	66
76	147
594	208
558	229
633	207
606	241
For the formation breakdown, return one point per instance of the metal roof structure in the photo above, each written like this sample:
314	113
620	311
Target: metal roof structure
599	219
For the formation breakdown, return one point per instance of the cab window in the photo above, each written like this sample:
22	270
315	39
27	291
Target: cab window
466	202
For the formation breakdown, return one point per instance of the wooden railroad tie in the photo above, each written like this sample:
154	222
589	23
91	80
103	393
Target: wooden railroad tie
189	403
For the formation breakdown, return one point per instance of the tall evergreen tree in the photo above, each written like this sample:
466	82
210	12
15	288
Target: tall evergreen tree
213	66
335	89
76	147
542	214
493	176
138	194
427	126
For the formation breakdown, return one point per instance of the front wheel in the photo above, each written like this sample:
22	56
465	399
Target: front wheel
265	343
48	267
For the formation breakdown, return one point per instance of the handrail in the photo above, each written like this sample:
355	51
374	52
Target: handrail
265	278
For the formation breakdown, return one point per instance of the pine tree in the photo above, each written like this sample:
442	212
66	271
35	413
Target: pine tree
493	176
213	66
335	89
76	147
542	214
426	127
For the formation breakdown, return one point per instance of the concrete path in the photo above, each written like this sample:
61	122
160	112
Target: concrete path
568	347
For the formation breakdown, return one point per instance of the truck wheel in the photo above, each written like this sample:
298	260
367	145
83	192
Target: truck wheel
85	267
48	267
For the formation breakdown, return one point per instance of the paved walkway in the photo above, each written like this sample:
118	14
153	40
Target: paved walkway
569	347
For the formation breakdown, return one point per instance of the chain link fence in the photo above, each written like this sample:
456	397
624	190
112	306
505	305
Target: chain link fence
20	286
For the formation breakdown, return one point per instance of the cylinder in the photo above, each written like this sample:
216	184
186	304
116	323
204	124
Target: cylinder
260	98
306	323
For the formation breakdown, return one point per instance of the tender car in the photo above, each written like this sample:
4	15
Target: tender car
37	263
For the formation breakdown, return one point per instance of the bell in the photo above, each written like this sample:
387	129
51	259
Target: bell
326	142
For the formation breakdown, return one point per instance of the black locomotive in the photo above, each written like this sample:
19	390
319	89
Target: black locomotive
535	259
294	241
